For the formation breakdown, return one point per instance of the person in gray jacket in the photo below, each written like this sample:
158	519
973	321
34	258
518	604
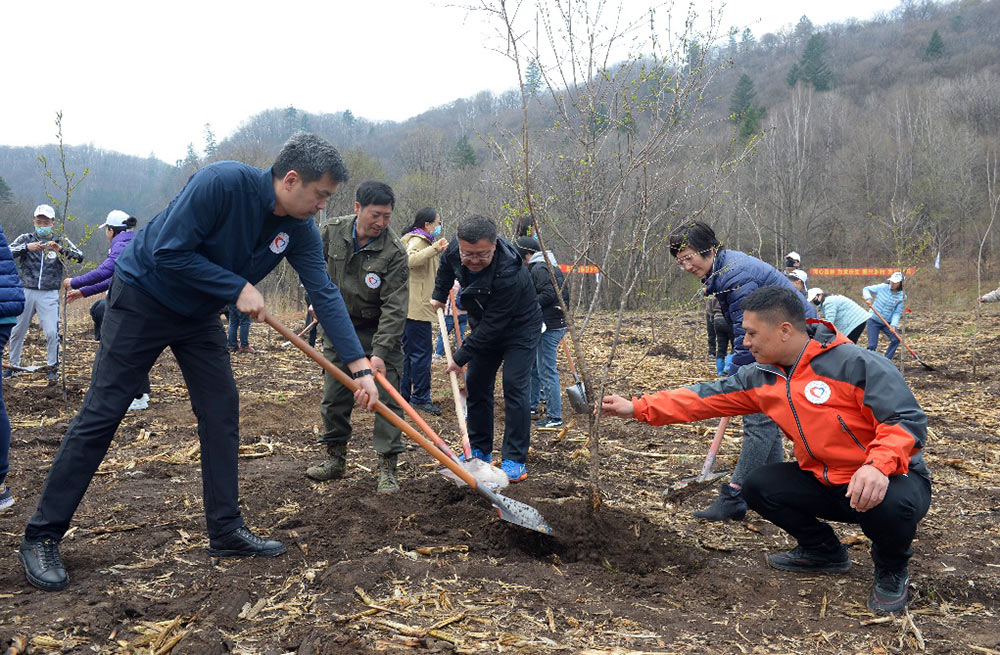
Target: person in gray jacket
39	256
845	314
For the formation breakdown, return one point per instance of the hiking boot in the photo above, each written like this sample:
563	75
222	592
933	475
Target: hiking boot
333	468
549	422
811	561
729	505
516	471
6	498
478	454
248	350
387	481
141	402
42	565
430	408
241	542
52	375
890	591
9	373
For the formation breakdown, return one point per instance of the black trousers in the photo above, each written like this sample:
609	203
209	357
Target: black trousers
724	338
136	330
794	500
97	313
480	380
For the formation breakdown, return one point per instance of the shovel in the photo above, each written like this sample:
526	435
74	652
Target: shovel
455	391
577	393
905	345
28	369
458	340
508	509
687	487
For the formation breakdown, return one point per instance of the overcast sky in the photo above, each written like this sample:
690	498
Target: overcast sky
142	77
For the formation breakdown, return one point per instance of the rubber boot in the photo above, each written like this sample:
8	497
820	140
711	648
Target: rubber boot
333	468
720	366
387	482
729	361
729	505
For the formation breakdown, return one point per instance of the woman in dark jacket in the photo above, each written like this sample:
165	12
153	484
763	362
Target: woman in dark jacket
118	229
11	305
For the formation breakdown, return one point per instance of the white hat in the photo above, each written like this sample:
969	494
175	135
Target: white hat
815	291
793	255
895	277
46	211
800	275
116	218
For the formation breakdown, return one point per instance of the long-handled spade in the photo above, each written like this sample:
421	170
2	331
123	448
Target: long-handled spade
508	509
687	487
905	345
455	390
29	369
577	392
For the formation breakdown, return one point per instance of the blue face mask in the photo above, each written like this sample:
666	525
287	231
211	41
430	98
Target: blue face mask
437	232
43	232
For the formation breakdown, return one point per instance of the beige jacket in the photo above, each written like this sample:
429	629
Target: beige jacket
423	259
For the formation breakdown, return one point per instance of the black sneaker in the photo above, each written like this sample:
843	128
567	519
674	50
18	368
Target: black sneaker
890	591
811	561
42	565
430	408
241	542
729	505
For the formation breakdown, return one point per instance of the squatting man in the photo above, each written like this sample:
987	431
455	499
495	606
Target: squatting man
857	431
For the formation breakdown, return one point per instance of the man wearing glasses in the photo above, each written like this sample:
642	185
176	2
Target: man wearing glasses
730	276
506	322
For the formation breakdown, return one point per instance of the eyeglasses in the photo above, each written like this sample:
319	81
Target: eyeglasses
682	262
475	256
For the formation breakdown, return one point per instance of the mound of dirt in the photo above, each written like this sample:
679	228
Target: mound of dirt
666	348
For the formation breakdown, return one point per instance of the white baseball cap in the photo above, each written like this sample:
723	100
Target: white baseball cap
800	274
793	255
815	291
896	277
116	218
46	211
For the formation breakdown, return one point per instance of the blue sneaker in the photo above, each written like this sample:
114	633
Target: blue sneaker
516	471
549	423
478	454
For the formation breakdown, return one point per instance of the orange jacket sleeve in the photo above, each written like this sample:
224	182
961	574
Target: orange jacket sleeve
725	397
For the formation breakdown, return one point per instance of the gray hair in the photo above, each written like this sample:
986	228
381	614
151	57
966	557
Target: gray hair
475	227
311	156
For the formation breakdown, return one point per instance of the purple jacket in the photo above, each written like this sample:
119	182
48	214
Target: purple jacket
98	280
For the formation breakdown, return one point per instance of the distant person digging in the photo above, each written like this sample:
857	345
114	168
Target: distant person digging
992	296
857	431
224	232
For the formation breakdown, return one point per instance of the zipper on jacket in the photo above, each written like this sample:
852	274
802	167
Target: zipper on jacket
848	431
41	270
795	415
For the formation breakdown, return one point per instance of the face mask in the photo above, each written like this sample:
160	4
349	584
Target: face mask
437	232
789	263
43	231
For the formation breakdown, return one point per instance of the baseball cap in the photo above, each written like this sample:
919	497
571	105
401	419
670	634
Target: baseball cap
793	255
896	277
800	274
815	291
116	218
46	211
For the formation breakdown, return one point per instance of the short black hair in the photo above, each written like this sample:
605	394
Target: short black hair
310	156
695	235
375	193
777	304
475	227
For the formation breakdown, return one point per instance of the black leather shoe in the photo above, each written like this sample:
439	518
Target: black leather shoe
729	505
803	560
42	565
430	408
243	543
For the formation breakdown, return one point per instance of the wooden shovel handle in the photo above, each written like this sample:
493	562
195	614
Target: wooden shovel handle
412	413
455	391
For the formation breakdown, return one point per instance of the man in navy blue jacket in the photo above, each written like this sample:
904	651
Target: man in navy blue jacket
226	230
730	276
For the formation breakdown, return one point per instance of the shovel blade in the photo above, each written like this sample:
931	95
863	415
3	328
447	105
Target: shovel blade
577	395
681	490
516	512
490	476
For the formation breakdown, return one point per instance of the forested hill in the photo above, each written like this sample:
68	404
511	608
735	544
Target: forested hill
931	70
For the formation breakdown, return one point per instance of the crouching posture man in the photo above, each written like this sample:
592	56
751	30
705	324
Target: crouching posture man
222	234
857	431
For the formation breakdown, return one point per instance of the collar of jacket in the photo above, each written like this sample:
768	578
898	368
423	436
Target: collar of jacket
718	264
823	337
266	181
378	243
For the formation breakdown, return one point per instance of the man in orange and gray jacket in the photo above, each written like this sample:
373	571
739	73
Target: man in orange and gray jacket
857	432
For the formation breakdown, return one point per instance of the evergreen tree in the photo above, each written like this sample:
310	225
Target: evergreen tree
348	117
533	78
462	154
794	75
813	66
752	119
290	120
742	98
6	195
694	57
210	144
935	48
804	29
748	41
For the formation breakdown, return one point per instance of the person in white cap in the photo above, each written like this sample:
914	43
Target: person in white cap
846	315
40	255
888	302
799	280
792	262
118	228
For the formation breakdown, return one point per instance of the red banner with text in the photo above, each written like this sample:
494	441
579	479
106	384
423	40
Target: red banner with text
858	272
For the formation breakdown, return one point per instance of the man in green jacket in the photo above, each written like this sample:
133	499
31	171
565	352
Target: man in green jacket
368	264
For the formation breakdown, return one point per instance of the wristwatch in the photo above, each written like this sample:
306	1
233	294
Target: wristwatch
362	373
